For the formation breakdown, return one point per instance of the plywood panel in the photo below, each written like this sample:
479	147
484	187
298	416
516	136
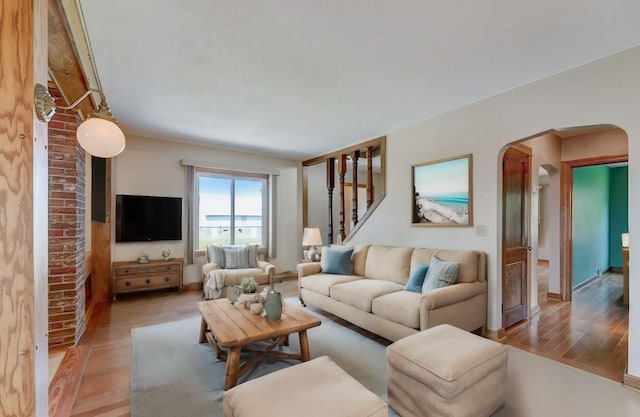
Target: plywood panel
23	211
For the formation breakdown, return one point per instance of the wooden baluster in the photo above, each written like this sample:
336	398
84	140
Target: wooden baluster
342	170
354	186
369	176
331	182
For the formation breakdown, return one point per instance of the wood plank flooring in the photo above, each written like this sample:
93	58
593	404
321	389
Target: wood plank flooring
104	389
589	333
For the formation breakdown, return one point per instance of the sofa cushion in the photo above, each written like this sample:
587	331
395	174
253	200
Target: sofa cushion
388	263
322	283
418	274
361	293
359	259
440	274
468	270
336	261
402	307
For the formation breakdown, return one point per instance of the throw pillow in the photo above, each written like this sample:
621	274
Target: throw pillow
417	278
235	257
215	254
337	261
440	274
252	255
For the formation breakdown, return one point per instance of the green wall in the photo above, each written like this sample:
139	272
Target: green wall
618	212
590	222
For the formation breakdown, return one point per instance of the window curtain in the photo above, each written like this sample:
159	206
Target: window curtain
191	201
273	210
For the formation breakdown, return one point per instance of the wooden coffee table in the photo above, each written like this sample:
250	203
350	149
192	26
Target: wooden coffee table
233	328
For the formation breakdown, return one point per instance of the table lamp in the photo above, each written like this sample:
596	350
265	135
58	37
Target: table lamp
312	237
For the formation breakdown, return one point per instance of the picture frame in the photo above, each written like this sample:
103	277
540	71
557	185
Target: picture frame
442	192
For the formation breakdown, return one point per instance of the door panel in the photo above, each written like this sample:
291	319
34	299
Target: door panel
515	238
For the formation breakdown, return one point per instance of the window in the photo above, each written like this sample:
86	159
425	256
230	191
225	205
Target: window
232	209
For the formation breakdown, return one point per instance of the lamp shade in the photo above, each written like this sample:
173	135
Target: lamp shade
100	137
311	237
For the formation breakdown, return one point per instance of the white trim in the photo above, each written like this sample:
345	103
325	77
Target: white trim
235	167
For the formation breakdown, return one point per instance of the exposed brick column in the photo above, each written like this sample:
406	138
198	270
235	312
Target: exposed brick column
67	320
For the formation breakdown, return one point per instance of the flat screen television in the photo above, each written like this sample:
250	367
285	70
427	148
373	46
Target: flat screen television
142	218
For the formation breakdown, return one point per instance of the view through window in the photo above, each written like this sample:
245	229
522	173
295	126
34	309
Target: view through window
232	209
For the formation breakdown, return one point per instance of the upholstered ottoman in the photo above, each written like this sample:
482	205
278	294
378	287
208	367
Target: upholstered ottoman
318	388
446	372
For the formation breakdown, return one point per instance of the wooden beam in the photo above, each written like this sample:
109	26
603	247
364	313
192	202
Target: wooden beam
64	67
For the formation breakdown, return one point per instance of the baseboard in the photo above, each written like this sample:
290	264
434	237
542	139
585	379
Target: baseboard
535	310
192	286
631	381
496	335
585	282
554	296
616	269
286	276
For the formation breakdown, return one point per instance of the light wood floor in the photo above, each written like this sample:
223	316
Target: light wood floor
104	389
589	333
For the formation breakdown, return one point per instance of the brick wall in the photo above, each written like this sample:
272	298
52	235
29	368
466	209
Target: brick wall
66	229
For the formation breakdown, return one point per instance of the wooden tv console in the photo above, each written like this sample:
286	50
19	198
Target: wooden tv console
132	276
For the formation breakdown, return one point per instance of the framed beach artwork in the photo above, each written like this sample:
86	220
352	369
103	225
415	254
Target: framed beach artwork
442	192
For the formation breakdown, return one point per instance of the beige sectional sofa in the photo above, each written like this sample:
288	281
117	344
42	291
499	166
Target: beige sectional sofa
373	295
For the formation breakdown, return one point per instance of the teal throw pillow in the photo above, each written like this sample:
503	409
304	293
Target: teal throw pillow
337	261
417	278
440	274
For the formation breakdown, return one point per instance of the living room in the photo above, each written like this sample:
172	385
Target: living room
600	90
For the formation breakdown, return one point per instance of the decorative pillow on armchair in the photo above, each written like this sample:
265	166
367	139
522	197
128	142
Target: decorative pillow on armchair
236	257
215	254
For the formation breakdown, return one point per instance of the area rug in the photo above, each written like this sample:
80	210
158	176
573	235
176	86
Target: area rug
172	375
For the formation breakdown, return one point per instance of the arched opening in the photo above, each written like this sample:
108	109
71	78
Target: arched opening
590	331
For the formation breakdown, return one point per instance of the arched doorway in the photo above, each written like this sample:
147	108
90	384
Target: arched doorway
560	337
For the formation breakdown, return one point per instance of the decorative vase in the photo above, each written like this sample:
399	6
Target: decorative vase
273	305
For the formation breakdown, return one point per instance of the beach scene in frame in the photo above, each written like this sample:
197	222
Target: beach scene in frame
442	192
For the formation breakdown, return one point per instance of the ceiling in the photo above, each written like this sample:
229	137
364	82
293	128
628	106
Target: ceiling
302	78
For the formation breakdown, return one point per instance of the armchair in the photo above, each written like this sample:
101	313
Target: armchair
227	265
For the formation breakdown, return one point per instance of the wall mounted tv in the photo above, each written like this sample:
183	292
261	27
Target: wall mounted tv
142	218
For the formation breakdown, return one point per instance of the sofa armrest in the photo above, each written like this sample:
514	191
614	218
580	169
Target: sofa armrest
206	268
308	268
269	269
452	294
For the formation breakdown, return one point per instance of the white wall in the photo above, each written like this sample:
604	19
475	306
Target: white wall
603	92
152	167
546	150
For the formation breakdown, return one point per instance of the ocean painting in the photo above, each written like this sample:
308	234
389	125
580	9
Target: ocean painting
442	192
